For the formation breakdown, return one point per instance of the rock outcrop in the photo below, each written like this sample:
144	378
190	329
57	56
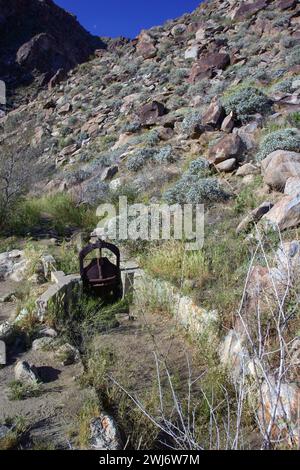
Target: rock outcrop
37	39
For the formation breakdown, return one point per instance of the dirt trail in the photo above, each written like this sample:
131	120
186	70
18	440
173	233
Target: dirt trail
51	415
135	343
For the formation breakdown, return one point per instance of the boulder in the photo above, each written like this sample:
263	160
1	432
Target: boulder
214	115
6	331
26	373
146	46
192	52
248	9
208	64
292	186
279	166
178	29
230	146
227	166
104	434
13	265
41	344
254	216
150	112
248	169
109	172
285	4
67	354
285	213
4	431
228	123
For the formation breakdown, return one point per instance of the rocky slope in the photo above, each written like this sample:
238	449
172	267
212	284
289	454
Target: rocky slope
38	39
204	109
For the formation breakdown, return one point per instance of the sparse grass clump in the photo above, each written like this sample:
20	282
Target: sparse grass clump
21	391
170	262
11	440
285	139
59	212
246	101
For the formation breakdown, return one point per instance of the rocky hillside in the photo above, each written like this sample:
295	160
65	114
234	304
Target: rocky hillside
204	109
38	39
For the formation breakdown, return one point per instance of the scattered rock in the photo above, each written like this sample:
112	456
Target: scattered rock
41	344
146	46
228	123
104	434
192	52
214	115
6	331
13	265
109	173
4	431
254	216
292	186
26	373
67	354
227	166
178	30
150	112
208	64
279	166
230	146
248	169
285	213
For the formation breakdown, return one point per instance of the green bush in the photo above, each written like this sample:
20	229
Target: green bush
285	139
245	102
196	186
294	57
20	391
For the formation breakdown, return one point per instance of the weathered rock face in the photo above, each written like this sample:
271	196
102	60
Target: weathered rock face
279	166
248	9
13	265
210	62
39	38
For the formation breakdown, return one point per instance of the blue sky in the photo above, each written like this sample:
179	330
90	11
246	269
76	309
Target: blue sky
125	17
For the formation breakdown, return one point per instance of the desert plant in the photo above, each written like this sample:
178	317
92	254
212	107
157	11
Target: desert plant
245	101
285	139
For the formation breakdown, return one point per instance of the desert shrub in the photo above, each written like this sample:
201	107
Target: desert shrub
165	155
284	85
245	102
133	127
139	159
294	57
191	189
191	120
196	186
285	139
199	167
